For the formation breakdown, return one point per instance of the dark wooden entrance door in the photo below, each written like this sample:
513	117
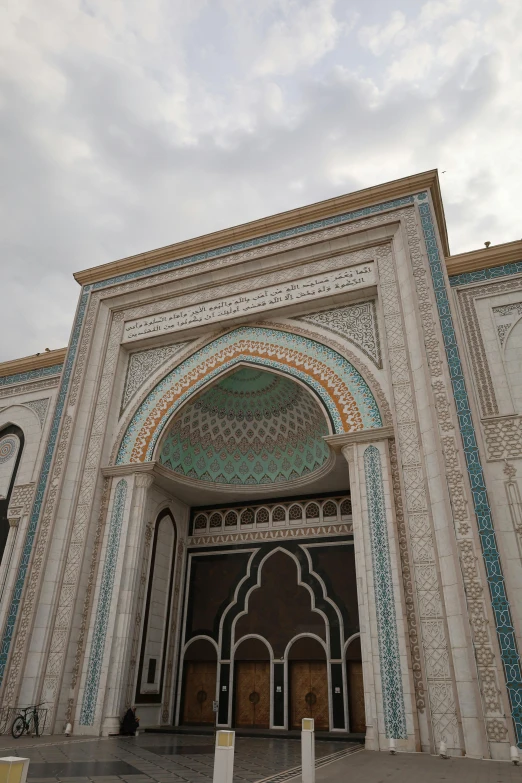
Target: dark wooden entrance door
309	693
199	692
356	697
252	692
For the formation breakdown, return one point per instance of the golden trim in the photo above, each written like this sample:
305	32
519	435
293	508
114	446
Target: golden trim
398	188
485	258
35	362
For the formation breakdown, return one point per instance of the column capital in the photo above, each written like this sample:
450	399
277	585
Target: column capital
339	441
129	469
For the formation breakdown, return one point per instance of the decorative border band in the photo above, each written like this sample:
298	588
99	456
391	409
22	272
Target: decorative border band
90	695
497	586
30	375
392	692
42	485
490	273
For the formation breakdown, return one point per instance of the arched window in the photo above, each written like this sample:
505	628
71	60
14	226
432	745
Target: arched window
11	448
158	608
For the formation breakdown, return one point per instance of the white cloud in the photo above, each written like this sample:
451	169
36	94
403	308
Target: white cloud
301	37
126	126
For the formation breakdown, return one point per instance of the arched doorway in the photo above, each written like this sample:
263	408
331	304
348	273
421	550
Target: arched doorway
199	683
252	684
308	683
354	679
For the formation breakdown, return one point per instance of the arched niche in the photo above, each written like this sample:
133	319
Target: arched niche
158	608
199	683
252	684
512	364
11	449
279	605
306	648
355	684
342	390
308	683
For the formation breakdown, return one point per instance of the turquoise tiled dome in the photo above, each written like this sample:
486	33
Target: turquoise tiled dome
252	427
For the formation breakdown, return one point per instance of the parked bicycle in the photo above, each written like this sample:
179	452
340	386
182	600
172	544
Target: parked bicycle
28	722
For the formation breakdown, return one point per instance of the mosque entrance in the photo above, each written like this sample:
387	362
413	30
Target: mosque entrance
270	590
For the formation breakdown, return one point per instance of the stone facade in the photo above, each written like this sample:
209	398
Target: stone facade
278	397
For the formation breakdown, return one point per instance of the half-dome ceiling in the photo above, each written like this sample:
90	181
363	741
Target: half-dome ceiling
252	427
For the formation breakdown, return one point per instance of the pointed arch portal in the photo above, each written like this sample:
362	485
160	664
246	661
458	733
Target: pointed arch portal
342	390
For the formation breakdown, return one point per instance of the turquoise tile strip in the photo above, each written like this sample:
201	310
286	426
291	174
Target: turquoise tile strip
491	273
92	682
488	542
389	657
30	375
41	486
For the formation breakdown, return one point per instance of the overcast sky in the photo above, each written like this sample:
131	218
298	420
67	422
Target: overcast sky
131	124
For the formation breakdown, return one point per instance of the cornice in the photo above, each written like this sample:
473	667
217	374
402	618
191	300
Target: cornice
484	258
36	362
388	191
337	442
129	469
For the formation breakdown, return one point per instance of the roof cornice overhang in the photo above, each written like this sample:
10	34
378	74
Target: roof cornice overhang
36	362
485	258
389	191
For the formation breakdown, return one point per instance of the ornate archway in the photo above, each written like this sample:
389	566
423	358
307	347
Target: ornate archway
342	390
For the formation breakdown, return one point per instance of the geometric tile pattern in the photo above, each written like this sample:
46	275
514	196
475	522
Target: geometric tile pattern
104	607
31	375
39	407
490	552
505	316
356	323
389	658
141	366
490	273
417	507
252	427
342	390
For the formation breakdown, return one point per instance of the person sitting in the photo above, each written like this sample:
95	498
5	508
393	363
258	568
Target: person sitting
130	723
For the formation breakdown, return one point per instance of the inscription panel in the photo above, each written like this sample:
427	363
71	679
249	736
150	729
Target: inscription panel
271	297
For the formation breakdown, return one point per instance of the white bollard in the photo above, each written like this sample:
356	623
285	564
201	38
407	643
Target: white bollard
13	769
224	757
442	750
68	730
393	746
308	750
515	756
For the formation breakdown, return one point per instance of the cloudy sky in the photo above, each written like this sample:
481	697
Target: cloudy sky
131	124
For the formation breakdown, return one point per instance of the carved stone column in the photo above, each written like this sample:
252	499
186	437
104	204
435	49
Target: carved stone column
102	690
388	684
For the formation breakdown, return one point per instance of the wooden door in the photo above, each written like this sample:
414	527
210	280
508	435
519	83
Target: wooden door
309	693
199	692
252	693
356	697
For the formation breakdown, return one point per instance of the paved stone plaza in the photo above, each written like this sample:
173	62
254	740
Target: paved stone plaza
169	758
165	758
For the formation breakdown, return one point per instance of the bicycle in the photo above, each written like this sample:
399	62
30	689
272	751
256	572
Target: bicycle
28	722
